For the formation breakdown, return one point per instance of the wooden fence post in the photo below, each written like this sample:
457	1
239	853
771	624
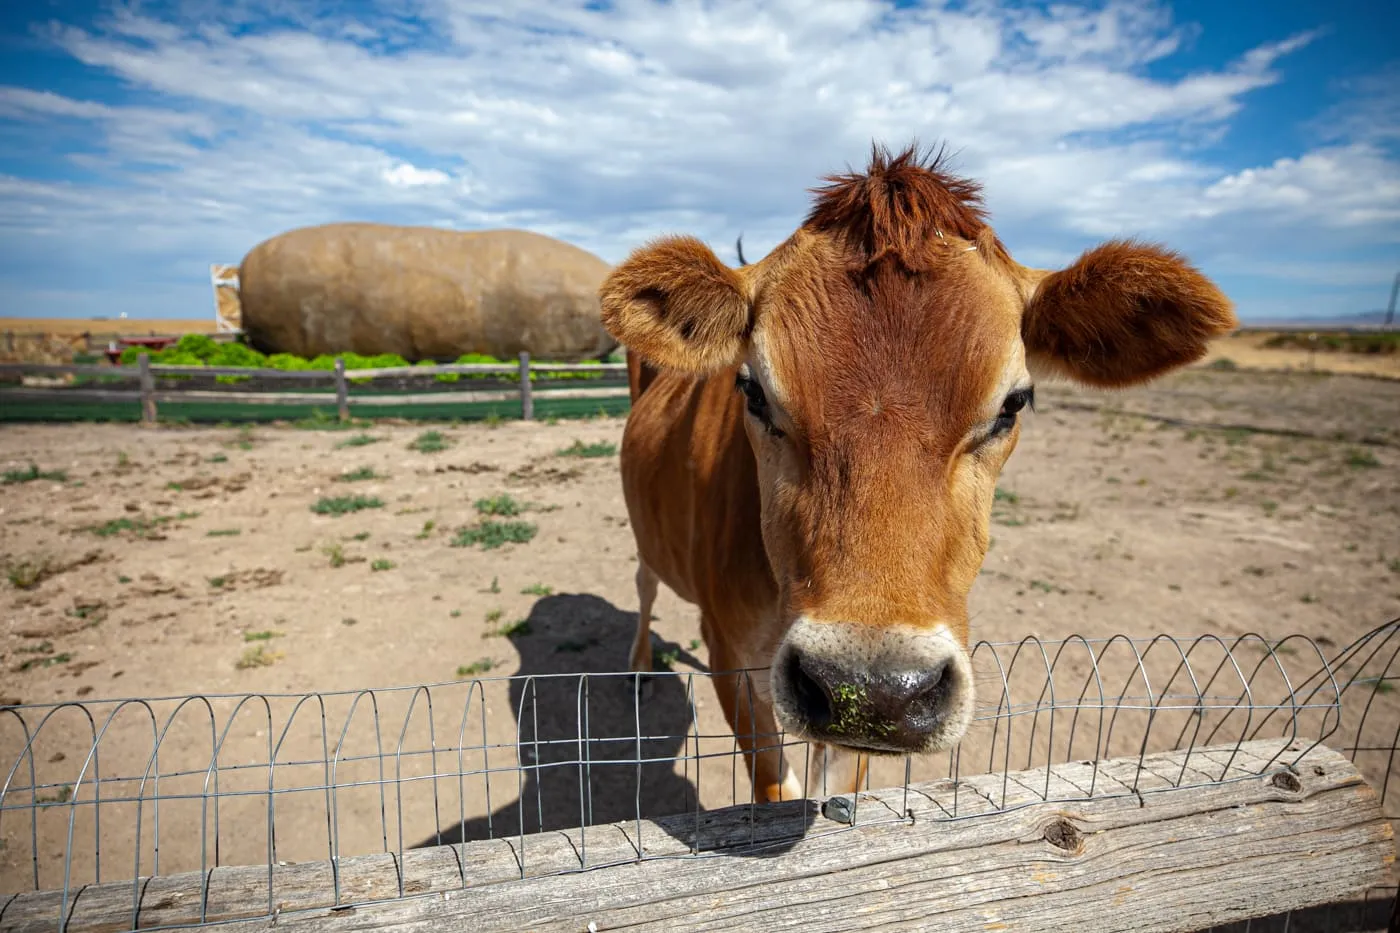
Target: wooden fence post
148	390
342	390
527	399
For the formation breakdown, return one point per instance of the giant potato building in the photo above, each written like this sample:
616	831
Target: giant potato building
423	293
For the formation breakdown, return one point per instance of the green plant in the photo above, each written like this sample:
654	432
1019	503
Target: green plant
355	476
360	536
495	586
218	582
580	449
381	563
139	527
662	660
267	635
32	474
503	504
25	573
537	589
257	656
1362	460
494	616
1001	495
359	440
476	667
428	527
336	553
218	458
344	505
429	442
223	533
518	627
491	535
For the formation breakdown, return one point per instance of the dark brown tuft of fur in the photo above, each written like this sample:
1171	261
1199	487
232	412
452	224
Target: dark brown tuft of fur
900	205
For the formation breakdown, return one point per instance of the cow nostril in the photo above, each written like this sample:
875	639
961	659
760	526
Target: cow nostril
929	695
812	703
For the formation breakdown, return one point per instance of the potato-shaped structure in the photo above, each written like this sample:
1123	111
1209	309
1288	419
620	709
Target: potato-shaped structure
423	293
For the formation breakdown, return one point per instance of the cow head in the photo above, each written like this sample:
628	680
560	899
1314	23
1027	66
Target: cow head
885	354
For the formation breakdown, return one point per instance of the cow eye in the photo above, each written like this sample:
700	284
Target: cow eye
1015	401
756	402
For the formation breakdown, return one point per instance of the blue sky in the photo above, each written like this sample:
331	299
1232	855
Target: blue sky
141	141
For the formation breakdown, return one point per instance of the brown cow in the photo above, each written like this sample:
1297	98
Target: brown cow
815	440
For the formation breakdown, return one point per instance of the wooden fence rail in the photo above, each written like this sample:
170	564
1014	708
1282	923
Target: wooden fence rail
146	374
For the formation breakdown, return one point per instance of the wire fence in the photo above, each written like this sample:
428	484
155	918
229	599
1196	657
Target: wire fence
119	794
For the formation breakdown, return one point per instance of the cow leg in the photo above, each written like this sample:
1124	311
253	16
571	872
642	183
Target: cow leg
754	726
646	599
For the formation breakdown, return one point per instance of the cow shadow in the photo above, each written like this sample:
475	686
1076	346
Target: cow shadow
596	745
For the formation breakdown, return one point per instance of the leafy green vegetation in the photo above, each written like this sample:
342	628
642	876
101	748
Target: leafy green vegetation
503	504
33	473
429	442
381	563
492	534
140	527
355	476
580	449
476	667
359	440
344	505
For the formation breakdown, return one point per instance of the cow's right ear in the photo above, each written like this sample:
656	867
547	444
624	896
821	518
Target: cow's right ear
677	306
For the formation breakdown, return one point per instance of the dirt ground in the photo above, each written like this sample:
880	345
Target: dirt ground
1246	350
189	561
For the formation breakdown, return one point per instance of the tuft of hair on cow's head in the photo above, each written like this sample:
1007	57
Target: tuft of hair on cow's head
884	355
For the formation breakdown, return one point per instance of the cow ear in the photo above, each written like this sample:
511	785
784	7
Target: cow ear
1123	313
677	306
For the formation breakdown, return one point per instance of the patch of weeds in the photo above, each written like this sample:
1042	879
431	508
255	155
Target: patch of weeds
32	474
495	586
493	419
321	420
1223	364
139	527
355	476
694	644
1308	598
1361	460
494	616
381	563
218	458
122	578
359	536
223	533
456	613
537	589
267	635
1269	506
257	656
429	442
503	504
25	573
48	659
245	438
218	582
662	660
510	629
335	553
1001	495
580	449
475	668
428	527
491	534
344	505
359	440
65	794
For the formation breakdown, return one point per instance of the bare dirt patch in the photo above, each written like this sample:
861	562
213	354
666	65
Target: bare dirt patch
1225	502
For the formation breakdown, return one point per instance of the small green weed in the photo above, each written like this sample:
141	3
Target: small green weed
495	586
267	635
25	573
662	660
218	458
491	535
494	616
475	668
359	440
223	533
503	504
381	563
32	474
510	629
1001	495
355	476
344	505
537	589
1362	460
139	527
428	527
580	449
429	442
257	656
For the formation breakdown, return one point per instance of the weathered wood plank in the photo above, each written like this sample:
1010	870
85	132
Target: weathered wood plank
1165	858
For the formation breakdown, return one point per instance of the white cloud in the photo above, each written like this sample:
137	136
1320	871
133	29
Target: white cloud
608	125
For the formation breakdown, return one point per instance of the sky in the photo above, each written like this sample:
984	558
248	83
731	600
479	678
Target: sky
142	141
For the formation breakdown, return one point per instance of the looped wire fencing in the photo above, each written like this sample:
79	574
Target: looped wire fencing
112	793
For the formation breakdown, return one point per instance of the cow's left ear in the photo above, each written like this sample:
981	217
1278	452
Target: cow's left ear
1123	313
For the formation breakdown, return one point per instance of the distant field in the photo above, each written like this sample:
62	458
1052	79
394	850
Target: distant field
132	327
